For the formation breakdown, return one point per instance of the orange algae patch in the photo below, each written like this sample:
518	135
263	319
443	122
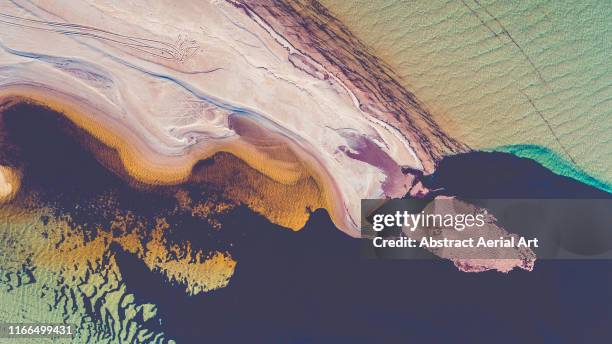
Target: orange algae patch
60	244
283	204
265	172
200	272
204	209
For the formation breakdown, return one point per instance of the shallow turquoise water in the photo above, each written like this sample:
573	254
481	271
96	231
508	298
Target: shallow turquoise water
553	162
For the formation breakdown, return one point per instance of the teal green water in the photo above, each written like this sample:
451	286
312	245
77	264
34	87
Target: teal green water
502	73
553	162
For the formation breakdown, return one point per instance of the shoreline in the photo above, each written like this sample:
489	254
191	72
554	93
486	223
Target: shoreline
140	166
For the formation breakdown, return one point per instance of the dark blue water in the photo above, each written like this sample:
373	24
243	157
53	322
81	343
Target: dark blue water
313	286
503	175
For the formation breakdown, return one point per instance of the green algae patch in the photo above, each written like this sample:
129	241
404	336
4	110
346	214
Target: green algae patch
553	162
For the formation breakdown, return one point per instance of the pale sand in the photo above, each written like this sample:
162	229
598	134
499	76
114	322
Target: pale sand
9	183
162	84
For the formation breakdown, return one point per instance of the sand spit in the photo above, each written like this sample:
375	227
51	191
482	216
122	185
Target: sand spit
167	86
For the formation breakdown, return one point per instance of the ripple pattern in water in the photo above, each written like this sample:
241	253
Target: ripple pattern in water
497	73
